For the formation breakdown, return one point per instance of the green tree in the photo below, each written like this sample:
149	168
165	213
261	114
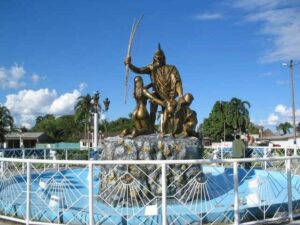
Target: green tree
67	129
226	117
6	122
120	124
223	107
213	126
59	129
298	127
238	114
253	129
83	108
284	127
46	124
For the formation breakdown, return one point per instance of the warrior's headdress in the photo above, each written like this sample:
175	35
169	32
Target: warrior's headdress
160	52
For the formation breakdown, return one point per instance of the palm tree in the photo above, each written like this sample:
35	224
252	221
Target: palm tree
284	127
83	108
238	111
6	122
222	108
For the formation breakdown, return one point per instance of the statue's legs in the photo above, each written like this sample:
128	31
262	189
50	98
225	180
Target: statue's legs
153	110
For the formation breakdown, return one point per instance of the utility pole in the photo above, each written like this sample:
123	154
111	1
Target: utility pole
291	66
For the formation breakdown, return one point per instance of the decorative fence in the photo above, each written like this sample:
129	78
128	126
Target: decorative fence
223	191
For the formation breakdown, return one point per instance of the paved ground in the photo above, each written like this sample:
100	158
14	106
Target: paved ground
2	222
296	222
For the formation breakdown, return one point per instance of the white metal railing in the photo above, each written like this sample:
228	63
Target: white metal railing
47	153
223	152
210	152
269	172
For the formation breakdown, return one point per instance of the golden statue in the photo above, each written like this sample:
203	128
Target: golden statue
165	80
166	86
168	118
185	118
140	115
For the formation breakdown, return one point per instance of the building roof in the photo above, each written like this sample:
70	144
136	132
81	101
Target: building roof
280	137
25	135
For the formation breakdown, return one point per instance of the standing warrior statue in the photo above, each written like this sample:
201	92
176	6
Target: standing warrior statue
165	81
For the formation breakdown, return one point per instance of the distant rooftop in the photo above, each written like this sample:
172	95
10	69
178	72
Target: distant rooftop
280	137
25	135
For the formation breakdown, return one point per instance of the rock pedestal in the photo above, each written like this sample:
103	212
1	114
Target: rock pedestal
144	181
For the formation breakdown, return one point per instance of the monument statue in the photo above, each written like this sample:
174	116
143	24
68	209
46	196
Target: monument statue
166	86
178	120
185	118
165	80
140	115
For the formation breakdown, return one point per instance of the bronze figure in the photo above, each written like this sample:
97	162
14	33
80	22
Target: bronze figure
166	86
185	118
165	79
140	115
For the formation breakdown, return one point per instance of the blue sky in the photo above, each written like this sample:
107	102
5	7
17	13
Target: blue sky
53	51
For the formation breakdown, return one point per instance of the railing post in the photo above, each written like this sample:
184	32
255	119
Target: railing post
23	164
91	195
265	156
66	156
289	188
45	156
236	194
28	193
164	194
285	152
2	163
222	154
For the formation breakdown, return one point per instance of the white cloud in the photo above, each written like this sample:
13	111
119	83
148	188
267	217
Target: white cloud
208	16
64	104
82	86
17	72
282	82
36	78
256	4
266	74
280	21
272	119
281	109
281	114
26	105
12	77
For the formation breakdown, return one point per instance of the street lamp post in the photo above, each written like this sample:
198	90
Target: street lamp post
291	66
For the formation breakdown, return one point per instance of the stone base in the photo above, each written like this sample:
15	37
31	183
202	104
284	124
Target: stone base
144	181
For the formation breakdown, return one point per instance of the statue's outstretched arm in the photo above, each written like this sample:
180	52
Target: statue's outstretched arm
152	98
139	70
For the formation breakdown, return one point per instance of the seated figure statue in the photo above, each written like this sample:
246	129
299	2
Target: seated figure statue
140	114
185	118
